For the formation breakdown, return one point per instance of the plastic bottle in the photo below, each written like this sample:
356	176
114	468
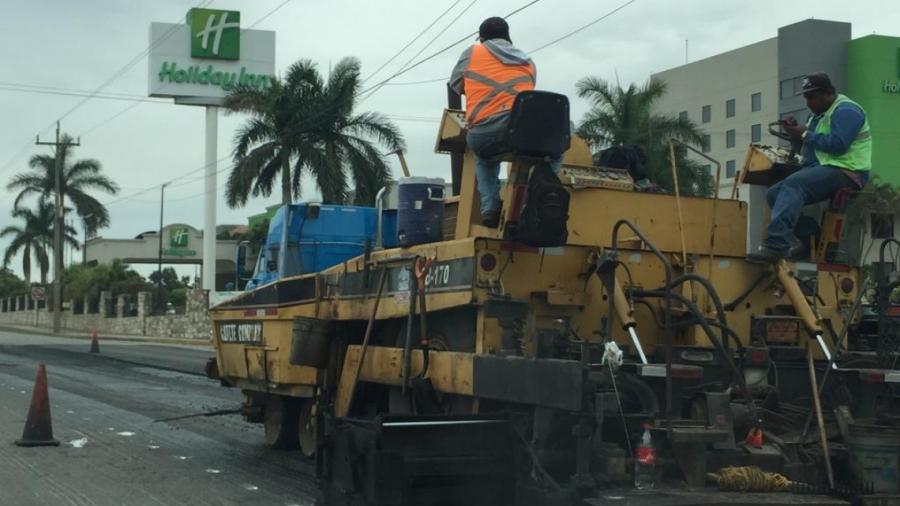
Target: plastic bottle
645	462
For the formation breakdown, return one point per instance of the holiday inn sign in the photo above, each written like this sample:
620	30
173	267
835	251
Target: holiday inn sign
208	56
888	86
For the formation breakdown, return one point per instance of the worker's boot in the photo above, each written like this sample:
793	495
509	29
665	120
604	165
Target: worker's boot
766	255
490	219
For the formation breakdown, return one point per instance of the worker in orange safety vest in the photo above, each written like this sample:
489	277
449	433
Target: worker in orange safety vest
490	74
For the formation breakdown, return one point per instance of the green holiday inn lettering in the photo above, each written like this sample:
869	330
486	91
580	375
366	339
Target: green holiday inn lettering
169	72
890	86
179	252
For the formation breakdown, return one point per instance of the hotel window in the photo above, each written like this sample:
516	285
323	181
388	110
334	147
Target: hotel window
682	115
882	226
791	87
729	139
729	108
706	144
756	102
707	113
729	169
756	133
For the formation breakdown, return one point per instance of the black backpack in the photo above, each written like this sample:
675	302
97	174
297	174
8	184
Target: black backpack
545	212
629	157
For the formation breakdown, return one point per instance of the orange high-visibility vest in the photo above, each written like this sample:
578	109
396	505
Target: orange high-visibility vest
491	86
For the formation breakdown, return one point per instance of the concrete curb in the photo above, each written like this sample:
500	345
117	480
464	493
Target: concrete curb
73	335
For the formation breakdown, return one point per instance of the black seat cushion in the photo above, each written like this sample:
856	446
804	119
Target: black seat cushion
538	126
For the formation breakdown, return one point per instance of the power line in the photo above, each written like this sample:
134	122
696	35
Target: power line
426	46
128	66
116	115
404	48
170	182
323	111
41	90
413	83
592	23
442	51
266	15
559	39
125	68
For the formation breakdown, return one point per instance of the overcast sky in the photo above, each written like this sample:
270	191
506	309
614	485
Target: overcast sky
79	45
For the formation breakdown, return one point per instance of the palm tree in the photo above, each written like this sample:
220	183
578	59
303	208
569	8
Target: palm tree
34	237
620	116
78	178
305	125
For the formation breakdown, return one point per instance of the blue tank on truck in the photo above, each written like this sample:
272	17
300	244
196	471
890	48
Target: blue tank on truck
317	237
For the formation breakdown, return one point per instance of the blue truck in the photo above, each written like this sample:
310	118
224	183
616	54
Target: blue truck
318	236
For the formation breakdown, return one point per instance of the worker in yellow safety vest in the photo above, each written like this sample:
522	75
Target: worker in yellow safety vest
490	74
837	153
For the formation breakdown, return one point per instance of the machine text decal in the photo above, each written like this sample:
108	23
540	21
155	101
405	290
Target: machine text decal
246	333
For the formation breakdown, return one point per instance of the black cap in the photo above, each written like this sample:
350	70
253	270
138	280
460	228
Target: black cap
816	81
494	28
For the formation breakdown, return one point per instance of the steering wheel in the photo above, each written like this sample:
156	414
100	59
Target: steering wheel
775	128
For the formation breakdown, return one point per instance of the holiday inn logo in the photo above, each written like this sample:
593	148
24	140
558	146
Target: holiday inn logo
178	237
178	243
215	34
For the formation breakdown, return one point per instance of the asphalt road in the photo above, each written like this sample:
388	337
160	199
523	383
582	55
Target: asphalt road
113	452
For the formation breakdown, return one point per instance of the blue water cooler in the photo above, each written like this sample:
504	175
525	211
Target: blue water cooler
420	210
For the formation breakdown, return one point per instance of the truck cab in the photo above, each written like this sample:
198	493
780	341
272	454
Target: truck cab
309	237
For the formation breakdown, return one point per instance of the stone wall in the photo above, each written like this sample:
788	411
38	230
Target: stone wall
108	316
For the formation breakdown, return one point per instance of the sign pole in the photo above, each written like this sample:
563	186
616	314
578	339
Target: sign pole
209	217
162	198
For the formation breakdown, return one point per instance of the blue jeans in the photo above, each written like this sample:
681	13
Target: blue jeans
808	185
487	170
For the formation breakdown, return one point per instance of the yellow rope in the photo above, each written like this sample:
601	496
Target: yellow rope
750	479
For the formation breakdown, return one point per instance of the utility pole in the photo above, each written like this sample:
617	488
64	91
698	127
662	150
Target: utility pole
58	225
84	224
162	194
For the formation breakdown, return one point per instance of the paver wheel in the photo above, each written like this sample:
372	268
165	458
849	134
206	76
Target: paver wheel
281	421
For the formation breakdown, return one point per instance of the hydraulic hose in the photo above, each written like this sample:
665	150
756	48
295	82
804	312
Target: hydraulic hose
680	280
731	306
707	328
667	328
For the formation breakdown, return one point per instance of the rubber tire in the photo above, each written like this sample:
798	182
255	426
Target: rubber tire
280	419
307	428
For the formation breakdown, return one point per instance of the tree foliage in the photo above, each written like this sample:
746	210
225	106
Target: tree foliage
34	238
255	235
622	116
79	179
878	197
89	280
172	290
305	125
10	284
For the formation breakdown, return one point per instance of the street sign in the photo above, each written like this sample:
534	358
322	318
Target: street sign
37	292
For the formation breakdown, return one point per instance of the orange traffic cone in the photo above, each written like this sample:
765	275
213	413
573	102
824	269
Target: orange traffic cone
95	343
38	428
755	438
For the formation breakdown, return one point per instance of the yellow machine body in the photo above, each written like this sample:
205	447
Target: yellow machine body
474	265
